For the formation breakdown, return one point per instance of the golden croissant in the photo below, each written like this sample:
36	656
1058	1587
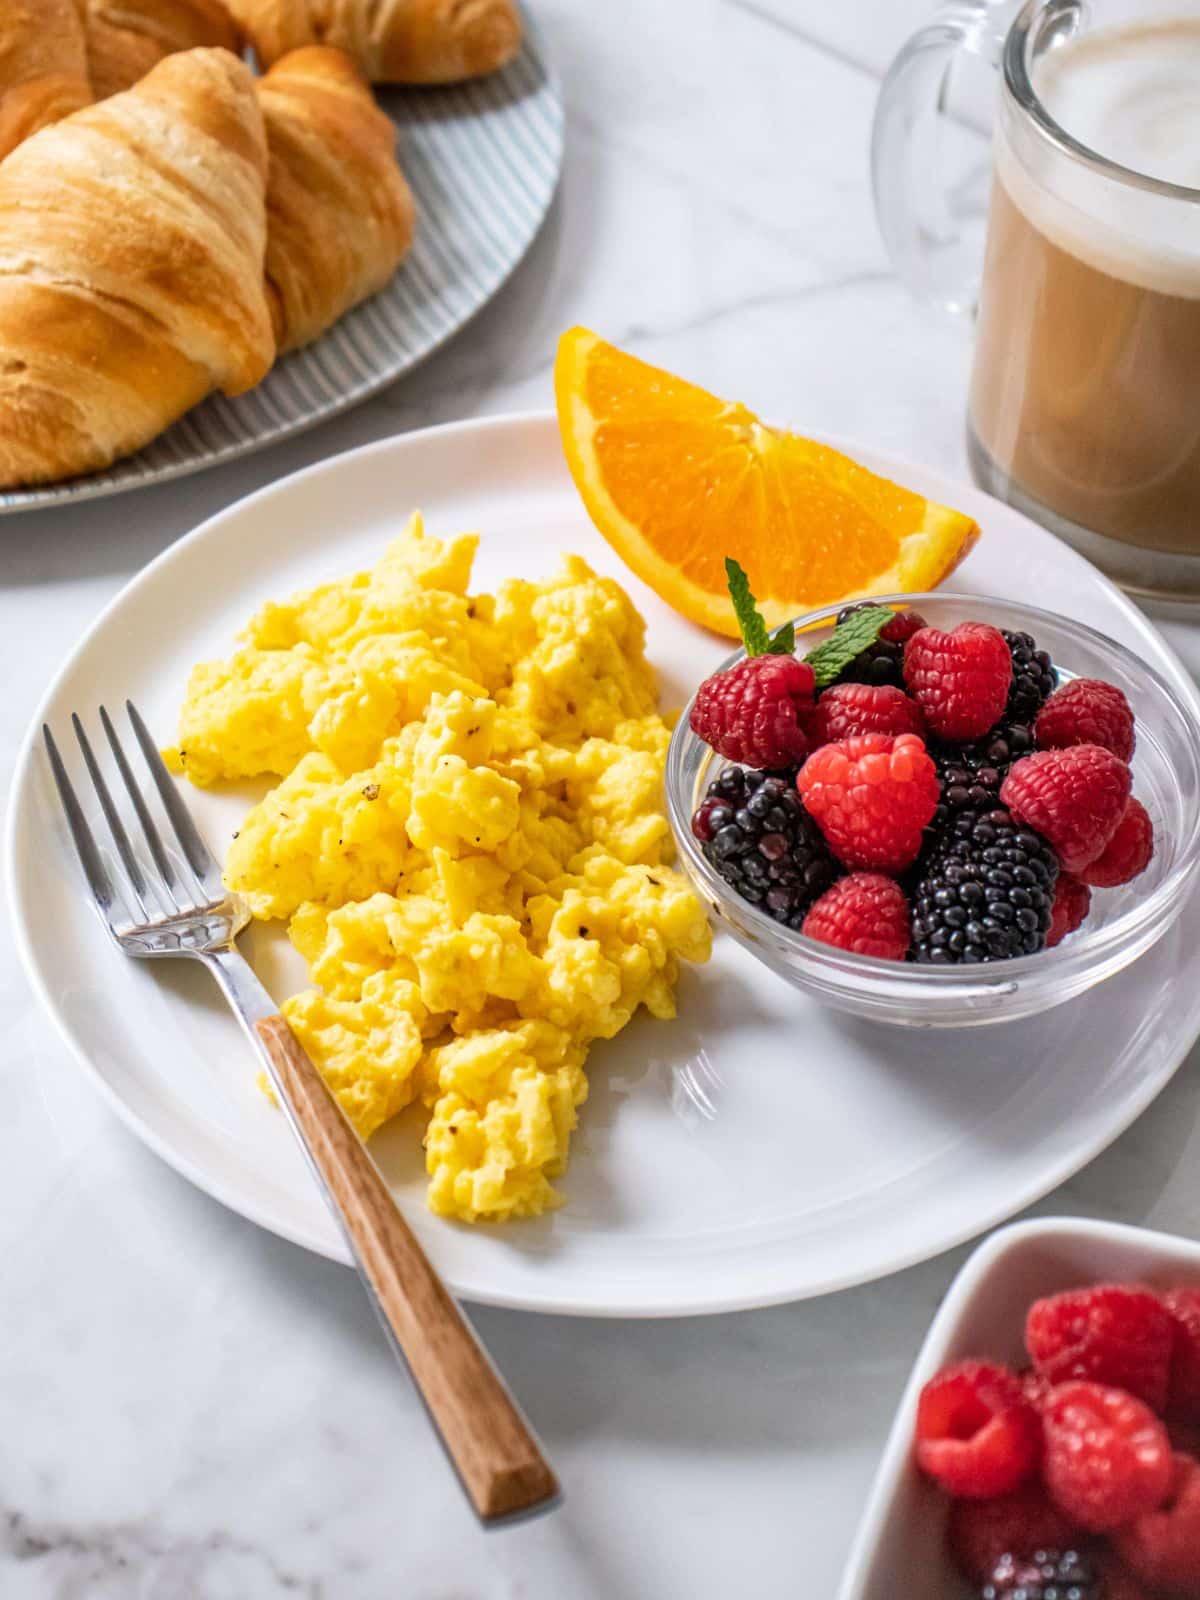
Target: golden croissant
125	38
339	213
392	41
132	238
43	67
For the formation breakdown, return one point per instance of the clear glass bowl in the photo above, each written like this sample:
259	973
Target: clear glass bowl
1123	923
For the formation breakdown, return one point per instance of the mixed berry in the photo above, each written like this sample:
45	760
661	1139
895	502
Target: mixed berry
984	890
1077	1476
915	793
755	831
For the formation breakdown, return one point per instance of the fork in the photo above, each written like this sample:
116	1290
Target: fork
164	910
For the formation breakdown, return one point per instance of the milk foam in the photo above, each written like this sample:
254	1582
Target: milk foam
1132	95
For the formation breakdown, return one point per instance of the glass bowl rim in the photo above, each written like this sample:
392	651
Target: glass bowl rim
841	966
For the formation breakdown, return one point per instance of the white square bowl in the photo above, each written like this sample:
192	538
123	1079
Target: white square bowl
900	1547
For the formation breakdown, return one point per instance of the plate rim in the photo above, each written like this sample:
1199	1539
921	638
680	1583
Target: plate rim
700	1303
99	486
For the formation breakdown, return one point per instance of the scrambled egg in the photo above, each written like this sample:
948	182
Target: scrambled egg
467	839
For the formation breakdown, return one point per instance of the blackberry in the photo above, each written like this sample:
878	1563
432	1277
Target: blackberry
880	663
1044	1575
983	891
971	774
755	831
1034	678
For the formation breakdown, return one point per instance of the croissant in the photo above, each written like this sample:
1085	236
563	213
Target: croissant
43	67
125	38
132	237
393	41
339	213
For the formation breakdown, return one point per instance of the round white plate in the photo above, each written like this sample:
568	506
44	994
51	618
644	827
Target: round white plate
483	161
758	1148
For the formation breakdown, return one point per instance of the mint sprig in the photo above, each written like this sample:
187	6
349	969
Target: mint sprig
859	631
755	637
848	639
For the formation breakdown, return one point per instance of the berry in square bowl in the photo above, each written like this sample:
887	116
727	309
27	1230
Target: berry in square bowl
1099	1499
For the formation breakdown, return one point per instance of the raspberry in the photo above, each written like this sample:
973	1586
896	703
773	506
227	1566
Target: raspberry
1072	902
977	1435
1107	1458
959	679
849	708
1162	1546
1044	1574
1036	1386
1087	711
752	712
1185	1435
883	661
1114	1334
755	832
902	627
871	796
1128	852
1075	798
1183	1389
980	1532
865	913
1117	1582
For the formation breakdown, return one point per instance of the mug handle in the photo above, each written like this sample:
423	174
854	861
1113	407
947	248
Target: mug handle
931	224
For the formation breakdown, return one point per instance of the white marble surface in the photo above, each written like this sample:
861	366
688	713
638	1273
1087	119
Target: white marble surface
191	1410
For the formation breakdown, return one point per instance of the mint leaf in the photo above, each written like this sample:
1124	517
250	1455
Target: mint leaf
754	630
849	638
745	607
783	643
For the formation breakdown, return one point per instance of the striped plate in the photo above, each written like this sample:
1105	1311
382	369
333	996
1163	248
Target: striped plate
483	160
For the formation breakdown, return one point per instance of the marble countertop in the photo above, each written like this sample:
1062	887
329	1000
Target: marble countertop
191	1409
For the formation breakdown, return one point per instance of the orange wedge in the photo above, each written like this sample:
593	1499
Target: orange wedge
677	479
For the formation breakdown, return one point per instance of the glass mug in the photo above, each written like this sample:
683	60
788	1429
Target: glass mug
1084	407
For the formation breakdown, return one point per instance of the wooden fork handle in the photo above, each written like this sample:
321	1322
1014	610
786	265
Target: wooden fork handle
487	1439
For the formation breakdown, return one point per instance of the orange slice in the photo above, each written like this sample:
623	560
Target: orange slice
677	479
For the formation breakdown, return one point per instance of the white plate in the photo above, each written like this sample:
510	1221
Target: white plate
983	1314
757	1149
483	161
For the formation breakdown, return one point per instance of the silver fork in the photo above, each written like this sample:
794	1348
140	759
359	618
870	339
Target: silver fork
158	908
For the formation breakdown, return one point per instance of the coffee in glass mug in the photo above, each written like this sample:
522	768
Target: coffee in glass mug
1084	406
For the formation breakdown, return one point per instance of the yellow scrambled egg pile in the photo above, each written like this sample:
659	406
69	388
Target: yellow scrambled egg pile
468	840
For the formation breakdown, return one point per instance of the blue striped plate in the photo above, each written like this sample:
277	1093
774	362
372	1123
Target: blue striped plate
483	161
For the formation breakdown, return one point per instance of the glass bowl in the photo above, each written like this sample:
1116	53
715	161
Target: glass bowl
1122	924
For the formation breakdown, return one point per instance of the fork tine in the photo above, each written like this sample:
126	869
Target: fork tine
149	826
111	815
199	856
85	845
